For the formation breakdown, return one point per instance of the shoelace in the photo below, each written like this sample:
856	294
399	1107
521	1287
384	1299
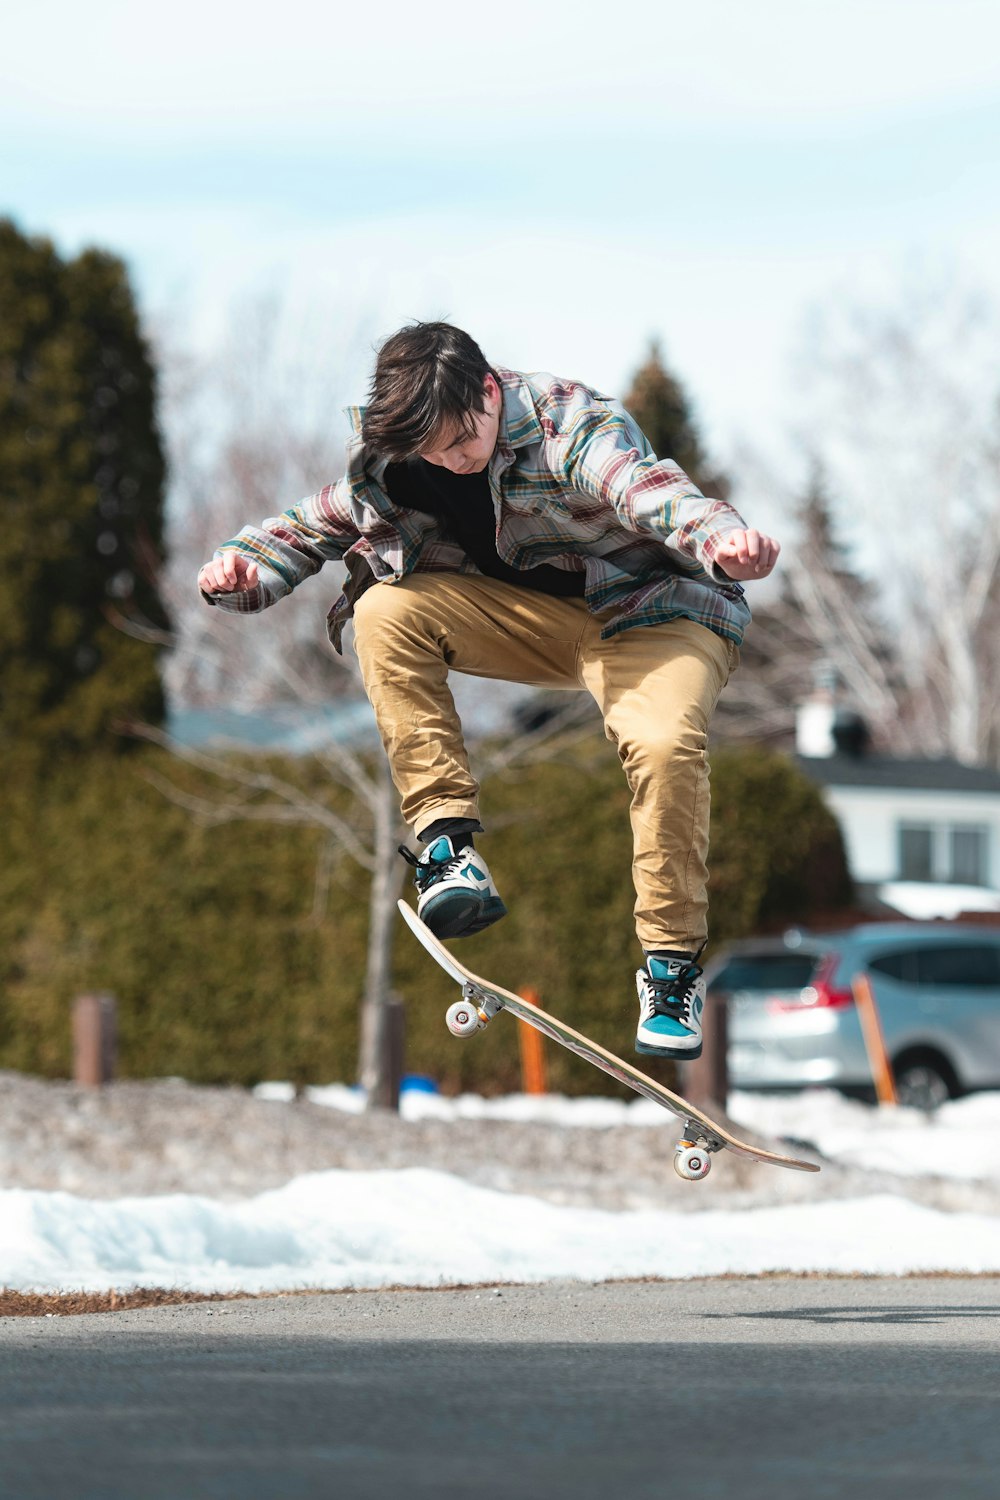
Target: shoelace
429	872
672	997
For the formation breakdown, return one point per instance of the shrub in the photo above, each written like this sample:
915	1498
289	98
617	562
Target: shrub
223	973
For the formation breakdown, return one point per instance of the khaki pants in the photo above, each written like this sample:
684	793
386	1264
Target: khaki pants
655	685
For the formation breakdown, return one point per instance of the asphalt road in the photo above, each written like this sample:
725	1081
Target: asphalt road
783	1389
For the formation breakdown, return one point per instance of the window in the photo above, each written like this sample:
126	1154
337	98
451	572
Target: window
899	965
916	853
968	856
766	971
960	964
952	852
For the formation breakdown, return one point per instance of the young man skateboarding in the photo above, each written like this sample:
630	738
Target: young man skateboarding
518	526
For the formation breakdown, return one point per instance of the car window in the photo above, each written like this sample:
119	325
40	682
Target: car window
899	964
959	964
766	971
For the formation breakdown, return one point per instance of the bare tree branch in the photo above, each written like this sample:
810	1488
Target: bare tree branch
293	805
900	411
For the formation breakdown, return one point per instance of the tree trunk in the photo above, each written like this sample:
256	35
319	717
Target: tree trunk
375	1060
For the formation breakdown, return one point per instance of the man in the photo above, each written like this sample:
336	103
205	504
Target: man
520	527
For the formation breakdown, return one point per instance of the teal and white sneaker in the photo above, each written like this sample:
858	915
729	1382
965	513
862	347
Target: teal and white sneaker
457	894
671	1001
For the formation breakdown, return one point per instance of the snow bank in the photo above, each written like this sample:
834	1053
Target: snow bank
340	1229
425	1227
960	1140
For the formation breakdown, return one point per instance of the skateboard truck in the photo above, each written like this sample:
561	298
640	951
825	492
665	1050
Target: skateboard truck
472	1013
694	1150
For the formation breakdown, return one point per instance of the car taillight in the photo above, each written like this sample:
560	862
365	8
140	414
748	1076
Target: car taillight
820	995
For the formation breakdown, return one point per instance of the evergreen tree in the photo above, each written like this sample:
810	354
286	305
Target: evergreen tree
849	637
819	547
81	487
659	404
824	626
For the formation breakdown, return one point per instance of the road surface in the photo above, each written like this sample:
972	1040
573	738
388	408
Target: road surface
777	1389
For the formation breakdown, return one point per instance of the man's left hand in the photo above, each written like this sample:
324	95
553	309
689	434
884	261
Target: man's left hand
747	554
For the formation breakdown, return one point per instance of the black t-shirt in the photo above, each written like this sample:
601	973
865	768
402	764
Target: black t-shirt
464	506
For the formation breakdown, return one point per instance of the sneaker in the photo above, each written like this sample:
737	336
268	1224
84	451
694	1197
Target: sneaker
671	1001
457	894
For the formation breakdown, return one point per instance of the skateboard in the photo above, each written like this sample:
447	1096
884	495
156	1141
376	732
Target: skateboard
701	1137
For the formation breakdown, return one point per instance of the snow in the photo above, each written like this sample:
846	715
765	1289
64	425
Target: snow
418	1227
960	1140
422	1227
926	901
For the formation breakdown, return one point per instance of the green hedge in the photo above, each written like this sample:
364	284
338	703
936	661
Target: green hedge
223	972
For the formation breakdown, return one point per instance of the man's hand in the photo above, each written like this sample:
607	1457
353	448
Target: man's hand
229	574
747	554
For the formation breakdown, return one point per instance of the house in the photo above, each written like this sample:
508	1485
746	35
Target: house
922	836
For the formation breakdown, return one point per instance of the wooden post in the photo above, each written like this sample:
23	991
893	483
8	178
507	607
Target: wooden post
871	1028
397	1049
706	1080
95	1037
532	1045
392	1017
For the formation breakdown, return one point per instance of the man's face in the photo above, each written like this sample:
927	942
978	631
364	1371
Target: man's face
465	453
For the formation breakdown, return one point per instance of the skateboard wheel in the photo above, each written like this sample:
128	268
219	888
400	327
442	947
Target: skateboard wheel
692	1162
462	1019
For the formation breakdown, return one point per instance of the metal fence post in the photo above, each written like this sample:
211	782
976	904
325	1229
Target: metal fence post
705	1082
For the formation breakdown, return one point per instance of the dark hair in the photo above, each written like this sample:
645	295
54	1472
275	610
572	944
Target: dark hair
428	377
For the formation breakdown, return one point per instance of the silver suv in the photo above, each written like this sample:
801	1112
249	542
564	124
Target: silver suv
793	1021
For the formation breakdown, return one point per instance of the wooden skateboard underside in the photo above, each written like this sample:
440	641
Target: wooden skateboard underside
711	1135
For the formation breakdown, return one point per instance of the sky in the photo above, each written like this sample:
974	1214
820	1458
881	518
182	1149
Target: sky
566	180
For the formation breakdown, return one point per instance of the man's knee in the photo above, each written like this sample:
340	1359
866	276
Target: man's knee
383	607
656	748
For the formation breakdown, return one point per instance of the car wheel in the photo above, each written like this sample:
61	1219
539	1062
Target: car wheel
924	1083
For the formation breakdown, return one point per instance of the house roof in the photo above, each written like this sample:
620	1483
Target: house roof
907	775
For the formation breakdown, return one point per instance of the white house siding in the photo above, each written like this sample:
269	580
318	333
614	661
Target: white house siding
869	818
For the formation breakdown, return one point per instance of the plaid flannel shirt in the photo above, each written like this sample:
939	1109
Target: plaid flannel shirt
575	484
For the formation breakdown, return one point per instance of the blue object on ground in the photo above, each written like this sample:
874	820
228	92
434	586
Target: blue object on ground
418	1083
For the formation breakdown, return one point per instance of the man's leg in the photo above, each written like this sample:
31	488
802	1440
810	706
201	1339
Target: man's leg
408	637
657	687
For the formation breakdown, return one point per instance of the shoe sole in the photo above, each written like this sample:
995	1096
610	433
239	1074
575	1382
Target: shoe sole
452	914
672	1054
491	913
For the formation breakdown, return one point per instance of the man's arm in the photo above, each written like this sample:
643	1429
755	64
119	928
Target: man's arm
747	555
227	573
260	565
605	456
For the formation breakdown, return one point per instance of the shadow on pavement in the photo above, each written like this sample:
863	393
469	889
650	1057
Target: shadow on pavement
931	1314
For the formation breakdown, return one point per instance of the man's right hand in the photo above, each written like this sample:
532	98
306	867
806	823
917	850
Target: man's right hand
229	574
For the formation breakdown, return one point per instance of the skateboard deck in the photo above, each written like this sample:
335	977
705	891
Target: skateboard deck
481	1000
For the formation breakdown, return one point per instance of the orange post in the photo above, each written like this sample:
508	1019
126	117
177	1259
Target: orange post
871	1028
532	1045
